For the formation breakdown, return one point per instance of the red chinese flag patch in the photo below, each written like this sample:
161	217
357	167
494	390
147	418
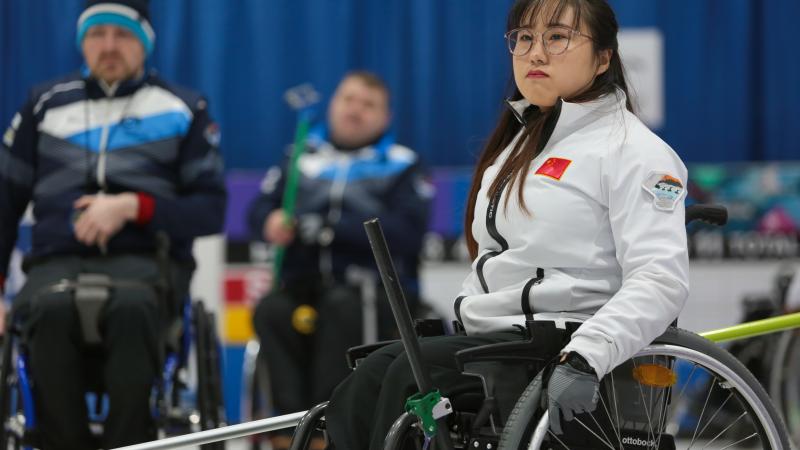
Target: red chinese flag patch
554	168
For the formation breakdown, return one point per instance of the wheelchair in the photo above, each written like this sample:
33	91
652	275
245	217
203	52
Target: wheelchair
681	391
186	397
256	401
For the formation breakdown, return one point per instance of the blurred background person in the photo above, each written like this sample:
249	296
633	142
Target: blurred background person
110	156
352	171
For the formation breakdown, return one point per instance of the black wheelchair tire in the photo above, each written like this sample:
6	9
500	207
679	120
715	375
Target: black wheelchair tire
521	423
784	381
209	379
5	392
11	440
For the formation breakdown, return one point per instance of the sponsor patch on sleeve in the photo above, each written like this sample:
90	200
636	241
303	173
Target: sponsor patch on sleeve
554	168
212	134
666	190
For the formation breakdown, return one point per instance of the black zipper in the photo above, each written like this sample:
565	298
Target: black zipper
491	228
491	225
457	308
526	303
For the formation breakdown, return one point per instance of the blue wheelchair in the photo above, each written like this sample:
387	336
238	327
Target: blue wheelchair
186	396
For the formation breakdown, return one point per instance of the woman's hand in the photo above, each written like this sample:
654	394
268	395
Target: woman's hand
573	389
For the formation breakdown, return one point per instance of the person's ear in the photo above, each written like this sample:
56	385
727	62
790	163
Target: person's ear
604	60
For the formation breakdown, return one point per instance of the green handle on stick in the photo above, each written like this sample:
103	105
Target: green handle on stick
302	99
290	190
422	405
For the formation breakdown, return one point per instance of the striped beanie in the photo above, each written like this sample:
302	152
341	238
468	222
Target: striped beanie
130	14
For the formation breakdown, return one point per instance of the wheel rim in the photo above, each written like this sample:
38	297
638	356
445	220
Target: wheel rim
792	391
785	381
730	415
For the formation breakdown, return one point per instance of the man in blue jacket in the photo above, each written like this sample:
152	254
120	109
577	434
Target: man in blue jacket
109	157
351	171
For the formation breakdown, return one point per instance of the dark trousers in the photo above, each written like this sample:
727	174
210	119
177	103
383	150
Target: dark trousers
364	406
126	365
304	368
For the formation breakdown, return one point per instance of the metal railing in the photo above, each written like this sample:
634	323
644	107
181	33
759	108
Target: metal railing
221	434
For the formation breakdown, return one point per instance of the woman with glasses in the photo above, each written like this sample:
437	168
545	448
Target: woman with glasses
576	210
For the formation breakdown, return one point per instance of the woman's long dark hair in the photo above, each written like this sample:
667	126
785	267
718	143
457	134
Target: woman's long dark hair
601	24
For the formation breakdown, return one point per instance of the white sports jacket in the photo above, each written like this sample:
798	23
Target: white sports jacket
605	236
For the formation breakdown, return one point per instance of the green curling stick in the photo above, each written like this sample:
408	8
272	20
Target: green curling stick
302	99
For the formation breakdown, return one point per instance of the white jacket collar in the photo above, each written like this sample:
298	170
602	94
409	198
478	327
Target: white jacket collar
603	104
575	115
518	107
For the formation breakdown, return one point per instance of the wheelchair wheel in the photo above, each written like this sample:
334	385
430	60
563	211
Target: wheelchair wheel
209	379
784	382
13	433
9	437
680	392
14	428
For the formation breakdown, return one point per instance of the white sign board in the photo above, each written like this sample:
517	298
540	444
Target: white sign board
642	51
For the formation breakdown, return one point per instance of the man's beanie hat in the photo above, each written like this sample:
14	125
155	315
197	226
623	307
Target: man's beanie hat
130	14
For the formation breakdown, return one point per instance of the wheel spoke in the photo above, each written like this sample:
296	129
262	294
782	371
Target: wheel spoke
688	381
662	421
611	419
708	400
705	405
599	427
605	442
739	441
616	404
715	414
557	439
646	411
725	429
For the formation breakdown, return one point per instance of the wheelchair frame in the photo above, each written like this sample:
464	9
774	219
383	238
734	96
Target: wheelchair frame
18	424
527	425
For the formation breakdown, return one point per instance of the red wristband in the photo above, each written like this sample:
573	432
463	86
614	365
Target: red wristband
147	206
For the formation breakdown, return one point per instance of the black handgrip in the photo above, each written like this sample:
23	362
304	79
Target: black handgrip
712	214
398	303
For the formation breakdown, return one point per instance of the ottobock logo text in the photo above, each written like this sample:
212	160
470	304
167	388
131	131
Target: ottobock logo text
639	442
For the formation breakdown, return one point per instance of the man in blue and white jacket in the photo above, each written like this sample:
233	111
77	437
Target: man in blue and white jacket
109	157
351	171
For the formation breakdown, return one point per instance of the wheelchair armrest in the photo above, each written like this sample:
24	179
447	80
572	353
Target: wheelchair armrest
429	327
544	342
356	354
423	327
503	351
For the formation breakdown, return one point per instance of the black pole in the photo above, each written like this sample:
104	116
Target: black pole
402	317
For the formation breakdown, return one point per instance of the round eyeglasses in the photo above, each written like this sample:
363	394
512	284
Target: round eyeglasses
555	40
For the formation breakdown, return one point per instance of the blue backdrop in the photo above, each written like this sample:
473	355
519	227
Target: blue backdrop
732	68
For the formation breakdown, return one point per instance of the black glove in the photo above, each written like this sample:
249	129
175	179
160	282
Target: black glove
573	388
